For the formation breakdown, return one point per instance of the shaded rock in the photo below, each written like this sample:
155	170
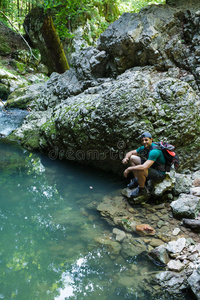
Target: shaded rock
132	247
10	41
23	97
145	229
186	206
90	63
194	282
193	224
159	255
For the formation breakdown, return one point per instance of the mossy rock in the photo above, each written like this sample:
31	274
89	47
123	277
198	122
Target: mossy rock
29	140
18	66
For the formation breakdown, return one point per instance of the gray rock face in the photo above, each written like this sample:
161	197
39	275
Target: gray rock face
158	35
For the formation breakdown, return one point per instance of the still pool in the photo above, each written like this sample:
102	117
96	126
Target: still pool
48	229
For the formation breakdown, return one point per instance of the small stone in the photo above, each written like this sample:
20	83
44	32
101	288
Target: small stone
159	206
175	265
160	223
176	231
119	234
145	229
156	242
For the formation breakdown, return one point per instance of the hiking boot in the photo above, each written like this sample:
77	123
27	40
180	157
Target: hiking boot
133	183
139	192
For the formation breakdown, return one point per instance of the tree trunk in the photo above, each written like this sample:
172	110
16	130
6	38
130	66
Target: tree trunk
54	46
41	31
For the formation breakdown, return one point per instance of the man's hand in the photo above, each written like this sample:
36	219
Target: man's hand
126	172
125	160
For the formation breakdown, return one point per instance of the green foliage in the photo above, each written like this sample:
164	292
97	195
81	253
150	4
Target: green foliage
134	6
69	14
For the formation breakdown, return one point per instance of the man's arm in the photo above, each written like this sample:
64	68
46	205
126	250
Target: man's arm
145	166
128	155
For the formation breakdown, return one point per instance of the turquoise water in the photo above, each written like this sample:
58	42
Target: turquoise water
48	226
47	232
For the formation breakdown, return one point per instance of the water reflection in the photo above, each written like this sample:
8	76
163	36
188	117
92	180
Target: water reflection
44	233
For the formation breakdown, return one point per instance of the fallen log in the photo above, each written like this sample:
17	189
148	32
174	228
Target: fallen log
193	224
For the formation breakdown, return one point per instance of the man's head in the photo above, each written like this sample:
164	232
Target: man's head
146	139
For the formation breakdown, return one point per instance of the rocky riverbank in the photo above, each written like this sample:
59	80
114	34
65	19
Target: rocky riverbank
156	228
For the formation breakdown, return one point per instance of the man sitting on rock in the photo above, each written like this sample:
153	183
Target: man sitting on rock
146	162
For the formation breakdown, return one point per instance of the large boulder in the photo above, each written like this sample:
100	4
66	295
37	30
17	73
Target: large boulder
98	126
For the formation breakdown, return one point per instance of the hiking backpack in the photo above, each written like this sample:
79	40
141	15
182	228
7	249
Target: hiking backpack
170	156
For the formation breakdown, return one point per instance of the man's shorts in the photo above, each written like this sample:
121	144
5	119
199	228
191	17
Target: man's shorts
155	175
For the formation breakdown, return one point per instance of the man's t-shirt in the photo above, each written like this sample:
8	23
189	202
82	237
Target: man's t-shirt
154	154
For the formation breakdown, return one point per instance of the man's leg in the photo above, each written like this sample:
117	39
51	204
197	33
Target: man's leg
155	175
142	176
141	189
134	161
